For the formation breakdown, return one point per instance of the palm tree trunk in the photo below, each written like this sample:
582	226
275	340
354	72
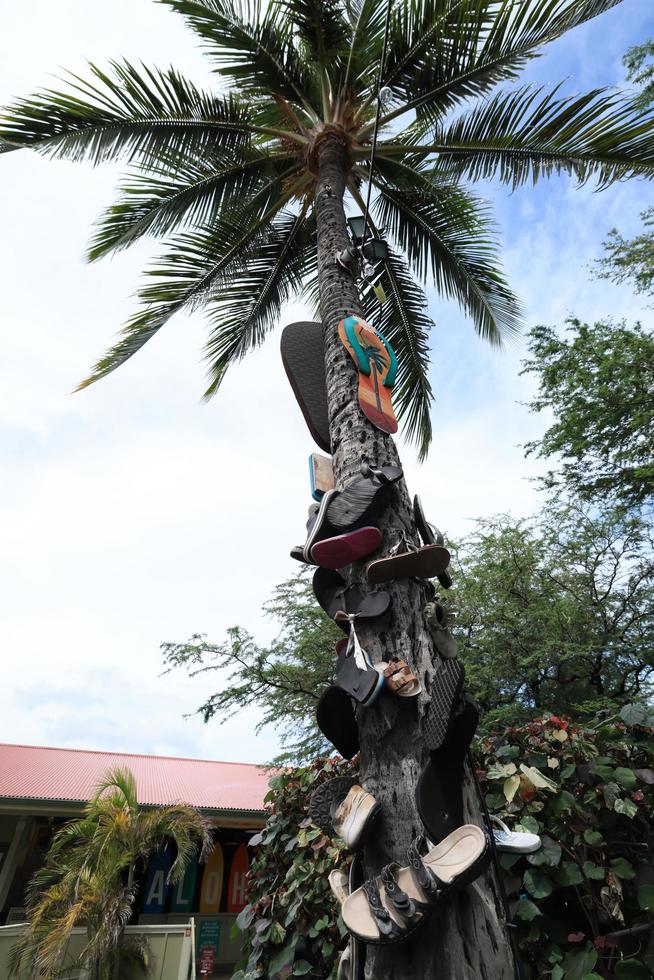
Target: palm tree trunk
469	941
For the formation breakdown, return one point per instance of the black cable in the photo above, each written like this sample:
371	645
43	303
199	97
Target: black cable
510	924
373	149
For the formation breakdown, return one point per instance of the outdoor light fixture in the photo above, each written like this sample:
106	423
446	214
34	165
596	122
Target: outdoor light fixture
371	250
376	250
357	228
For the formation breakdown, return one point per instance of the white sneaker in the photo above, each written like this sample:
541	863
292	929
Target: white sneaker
354	814
514	841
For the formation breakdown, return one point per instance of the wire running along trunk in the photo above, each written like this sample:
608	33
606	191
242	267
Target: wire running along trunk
467	939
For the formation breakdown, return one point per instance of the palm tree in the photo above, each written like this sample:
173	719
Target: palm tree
247	187
89	879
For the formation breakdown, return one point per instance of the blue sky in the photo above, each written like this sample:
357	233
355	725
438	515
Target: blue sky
132	513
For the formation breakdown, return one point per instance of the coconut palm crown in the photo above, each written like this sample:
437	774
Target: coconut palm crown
226	178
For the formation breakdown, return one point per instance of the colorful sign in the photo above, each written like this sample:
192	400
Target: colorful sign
212	882
184	891
156	882
238	879
208	945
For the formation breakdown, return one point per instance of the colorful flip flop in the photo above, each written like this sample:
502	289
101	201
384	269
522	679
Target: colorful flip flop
303	356
377	365
343	549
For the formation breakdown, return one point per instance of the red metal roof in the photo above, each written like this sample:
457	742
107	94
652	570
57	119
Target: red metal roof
40	773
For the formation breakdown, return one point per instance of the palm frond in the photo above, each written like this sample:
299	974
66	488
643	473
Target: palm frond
320	26
160	202
453	49
243	312
447	236
192	271
367	19
147	114
523	134
255	50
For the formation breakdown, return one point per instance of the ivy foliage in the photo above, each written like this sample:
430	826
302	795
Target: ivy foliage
584	902
597	381
583	905
291	926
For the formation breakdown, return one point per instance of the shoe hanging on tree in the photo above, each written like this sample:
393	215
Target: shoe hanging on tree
343	809
445	691
303	356
514	841
430	534
335	595
439	619
393	906
355	674
377	365
405	560
337	720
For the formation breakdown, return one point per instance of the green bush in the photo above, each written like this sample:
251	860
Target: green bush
291	924
588	790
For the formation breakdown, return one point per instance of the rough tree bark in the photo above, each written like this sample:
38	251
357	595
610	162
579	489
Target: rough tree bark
468	941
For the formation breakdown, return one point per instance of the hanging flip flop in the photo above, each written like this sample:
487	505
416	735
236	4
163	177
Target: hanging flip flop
377	366
439	619
303	356
399	678
514	841
337	721
335	595
439	792
345	548
354	672
413	562
343	809
446	688
392	907
430	535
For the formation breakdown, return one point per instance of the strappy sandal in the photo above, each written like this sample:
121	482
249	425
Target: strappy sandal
412	562
399	678
430	535
393	906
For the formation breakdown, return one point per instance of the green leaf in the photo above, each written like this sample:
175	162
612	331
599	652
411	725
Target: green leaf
593	838
562	801
283	958
577	964
510	787
568	771
538	779
507	752
537	883
634	714
626	778
557	973
646	897
527	910
592	870
622	868
632	970
245	917
300	967
569	874
549	854
277	933
626	807
528	825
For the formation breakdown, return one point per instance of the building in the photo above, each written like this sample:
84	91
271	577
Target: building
41	788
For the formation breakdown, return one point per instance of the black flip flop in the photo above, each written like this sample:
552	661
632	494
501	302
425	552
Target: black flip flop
364	685
439	793
446	687
303	356
339	511
334	595
337	721
430	535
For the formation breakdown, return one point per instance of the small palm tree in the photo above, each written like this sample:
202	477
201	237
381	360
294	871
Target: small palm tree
247	187
89	879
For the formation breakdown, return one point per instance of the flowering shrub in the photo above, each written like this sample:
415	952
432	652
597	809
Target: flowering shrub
583	903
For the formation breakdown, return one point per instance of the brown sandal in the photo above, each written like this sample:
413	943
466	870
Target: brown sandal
399	677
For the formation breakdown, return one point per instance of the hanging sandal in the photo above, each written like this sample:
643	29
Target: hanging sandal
514	841
303	357
430	535
343	809
337	721
336	596
355	673
413	562
399	678
439	619
390	908
446	687
377	365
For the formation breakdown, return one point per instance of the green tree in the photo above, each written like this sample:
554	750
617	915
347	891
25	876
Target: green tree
598	382
632	259
248	190
89	879
555	614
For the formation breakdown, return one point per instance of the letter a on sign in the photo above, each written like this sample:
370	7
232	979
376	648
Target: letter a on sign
156	886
